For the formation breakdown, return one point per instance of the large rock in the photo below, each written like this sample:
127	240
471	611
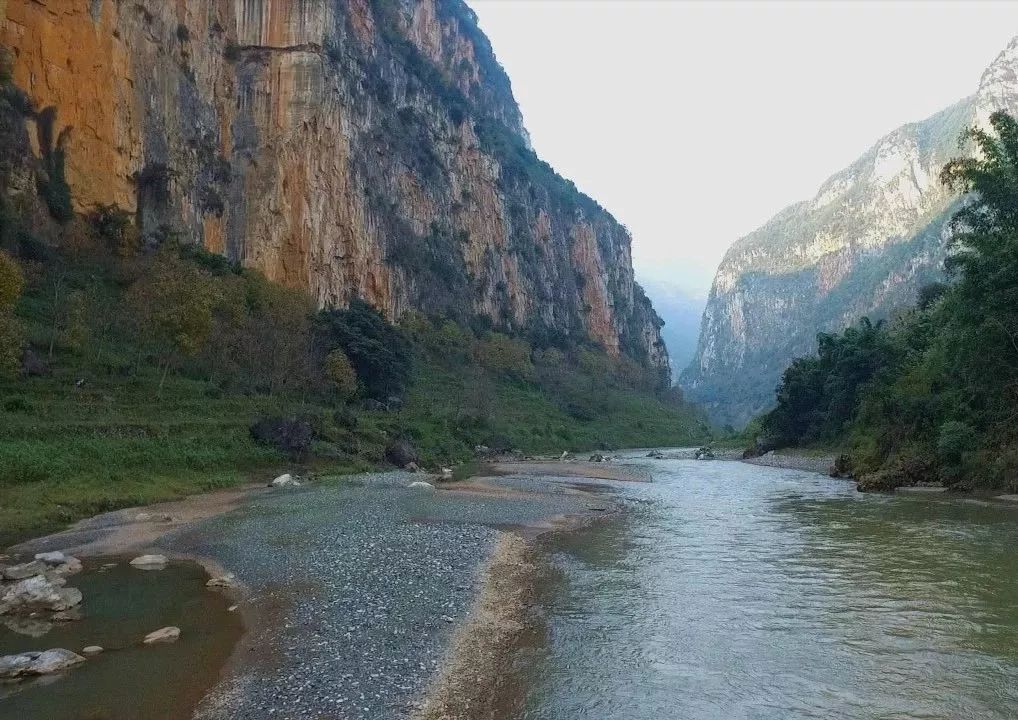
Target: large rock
285	480
38	663
38	593
401	452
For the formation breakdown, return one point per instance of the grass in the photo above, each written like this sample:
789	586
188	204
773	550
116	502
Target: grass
103	430
69	450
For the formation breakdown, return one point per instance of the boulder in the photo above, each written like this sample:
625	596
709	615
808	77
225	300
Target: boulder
566	455
401	452
420	485
704	453
150	562
412	467
91	650
162	635
38	593
24	570
285	480
445	473
656	454
598	457
37	663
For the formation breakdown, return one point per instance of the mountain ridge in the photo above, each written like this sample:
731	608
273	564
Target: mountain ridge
873	233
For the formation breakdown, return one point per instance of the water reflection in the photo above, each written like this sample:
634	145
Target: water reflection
749	592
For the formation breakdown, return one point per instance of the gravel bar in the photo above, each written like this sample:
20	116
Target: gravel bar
355	588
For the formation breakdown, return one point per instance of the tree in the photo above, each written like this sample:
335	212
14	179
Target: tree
379	351
172	303
339	370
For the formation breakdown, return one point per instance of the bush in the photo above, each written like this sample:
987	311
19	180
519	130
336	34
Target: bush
379	352
955	438
340	373
292	436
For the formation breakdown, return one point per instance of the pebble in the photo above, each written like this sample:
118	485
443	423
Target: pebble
91	650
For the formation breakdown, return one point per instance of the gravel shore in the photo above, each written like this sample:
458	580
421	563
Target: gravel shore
353	590
811	463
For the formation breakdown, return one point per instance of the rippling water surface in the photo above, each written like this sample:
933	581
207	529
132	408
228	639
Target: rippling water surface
735	591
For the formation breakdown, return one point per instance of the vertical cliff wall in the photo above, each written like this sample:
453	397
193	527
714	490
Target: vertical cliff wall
874	233
365	148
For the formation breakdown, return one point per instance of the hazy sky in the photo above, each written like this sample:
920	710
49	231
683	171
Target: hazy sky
693	123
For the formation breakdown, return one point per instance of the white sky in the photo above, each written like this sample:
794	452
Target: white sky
693	123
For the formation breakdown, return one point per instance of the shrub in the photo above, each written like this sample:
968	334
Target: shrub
292	436
379	352
340	373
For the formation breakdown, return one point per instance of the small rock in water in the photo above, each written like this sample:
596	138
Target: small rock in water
150	562
285	480
38	663
25	570
91	650
163	635
231	608
229	580
420	485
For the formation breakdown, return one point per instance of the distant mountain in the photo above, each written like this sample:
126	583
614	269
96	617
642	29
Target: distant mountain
873	234
681	312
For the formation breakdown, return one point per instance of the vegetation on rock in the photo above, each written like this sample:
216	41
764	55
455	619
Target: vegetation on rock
931	395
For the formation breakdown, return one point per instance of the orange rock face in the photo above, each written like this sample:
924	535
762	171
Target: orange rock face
299	138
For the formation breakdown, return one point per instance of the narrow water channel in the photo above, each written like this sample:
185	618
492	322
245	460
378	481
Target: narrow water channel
128	681
740	592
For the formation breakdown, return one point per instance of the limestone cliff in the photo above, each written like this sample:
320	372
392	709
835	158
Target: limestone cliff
874	233
366	148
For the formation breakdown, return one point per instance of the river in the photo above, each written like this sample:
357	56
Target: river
733	591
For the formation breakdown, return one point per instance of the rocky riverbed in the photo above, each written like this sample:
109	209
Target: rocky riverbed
353	592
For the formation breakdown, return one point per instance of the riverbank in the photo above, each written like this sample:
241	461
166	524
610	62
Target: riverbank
818	462
362	597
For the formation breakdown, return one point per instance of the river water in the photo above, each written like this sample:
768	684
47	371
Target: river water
733	591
